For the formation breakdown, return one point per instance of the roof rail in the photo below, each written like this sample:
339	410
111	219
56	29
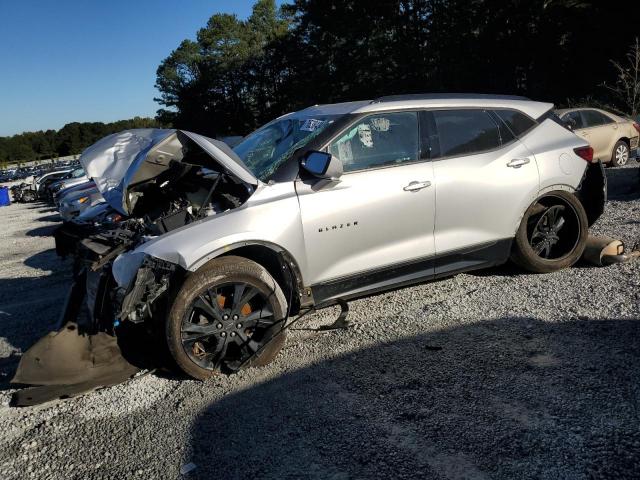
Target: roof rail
447	96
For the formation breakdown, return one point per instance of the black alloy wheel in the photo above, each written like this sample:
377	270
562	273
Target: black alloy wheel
226	324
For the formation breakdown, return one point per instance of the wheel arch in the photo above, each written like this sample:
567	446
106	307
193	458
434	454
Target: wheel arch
280	264
626	140
545	191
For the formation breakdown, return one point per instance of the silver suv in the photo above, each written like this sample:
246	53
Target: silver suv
217	248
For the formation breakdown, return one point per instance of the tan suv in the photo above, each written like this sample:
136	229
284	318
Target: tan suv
613	139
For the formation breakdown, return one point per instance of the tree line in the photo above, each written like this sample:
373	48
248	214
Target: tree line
238	74
69	140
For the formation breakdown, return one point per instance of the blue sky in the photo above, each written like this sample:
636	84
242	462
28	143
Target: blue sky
91	60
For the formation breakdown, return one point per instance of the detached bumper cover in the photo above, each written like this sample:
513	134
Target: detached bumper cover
69	362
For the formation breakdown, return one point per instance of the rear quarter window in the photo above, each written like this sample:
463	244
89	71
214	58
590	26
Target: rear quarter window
517	122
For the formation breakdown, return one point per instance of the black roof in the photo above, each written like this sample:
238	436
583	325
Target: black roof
447	96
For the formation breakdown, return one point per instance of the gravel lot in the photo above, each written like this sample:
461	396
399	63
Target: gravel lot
496	374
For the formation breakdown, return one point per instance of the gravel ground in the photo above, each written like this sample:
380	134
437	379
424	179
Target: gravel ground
496	374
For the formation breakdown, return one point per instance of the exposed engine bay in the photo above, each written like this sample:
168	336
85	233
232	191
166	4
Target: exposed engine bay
182	193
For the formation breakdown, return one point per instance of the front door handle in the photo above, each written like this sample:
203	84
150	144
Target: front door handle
518	162
415	186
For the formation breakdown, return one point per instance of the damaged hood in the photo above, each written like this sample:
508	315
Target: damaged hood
131	157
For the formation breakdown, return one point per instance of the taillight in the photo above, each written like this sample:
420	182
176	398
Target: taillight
636	126
586	153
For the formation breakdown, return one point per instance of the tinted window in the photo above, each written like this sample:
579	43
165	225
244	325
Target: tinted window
516	121
378	140
462	132
574	119
595	119
551	115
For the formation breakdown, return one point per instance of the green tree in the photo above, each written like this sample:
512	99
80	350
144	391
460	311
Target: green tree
218	84
69	140
238	74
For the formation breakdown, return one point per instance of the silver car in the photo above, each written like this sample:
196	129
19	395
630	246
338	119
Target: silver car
73	204
217	248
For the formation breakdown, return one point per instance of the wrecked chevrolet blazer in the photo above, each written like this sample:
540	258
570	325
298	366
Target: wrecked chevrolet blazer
214	249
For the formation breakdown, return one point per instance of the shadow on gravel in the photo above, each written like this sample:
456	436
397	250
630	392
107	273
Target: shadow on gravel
30	306
623	184
46	231
50	218
508	269
46	260
514	398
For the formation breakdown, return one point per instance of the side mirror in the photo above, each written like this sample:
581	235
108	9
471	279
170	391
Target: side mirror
322	165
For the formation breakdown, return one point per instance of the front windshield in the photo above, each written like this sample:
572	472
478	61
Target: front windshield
267	148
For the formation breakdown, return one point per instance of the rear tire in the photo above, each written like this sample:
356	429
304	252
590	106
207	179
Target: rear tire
552	235
212	327
620	154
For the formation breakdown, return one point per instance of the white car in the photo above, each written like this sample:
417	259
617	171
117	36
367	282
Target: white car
215	248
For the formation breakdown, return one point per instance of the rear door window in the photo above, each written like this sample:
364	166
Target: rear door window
464	132
593	118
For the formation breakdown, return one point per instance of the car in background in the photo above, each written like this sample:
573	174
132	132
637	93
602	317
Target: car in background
75	203
60	196
76	177
40	184
614	139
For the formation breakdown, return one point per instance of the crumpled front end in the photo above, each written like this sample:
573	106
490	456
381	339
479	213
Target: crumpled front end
119	294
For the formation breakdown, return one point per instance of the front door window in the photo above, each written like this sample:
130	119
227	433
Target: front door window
377	141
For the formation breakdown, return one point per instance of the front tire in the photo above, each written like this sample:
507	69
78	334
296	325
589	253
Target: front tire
620	154
552	235
226	315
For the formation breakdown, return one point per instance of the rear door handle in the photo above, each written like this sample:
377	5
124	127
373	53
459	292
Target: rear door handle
518	162
415	186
